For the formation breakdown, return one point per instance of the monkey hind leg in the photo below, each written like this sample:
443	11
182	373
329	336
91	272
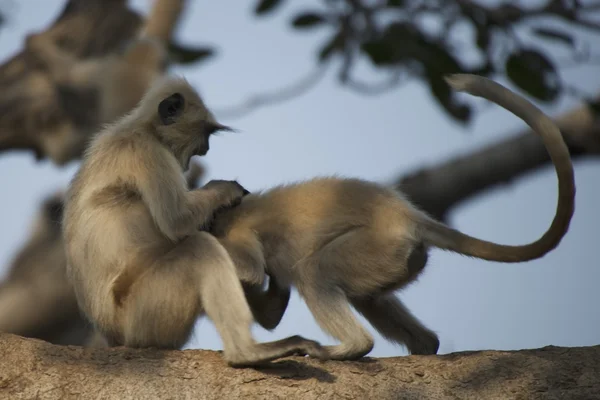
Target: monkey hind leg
162	306
395	322
246	252
223	300
366	261
331	309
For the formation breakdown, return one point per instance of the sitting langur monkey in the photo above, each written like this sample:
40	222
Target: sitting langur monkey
89	92
194	173
141	269
348	241
120	79
36	299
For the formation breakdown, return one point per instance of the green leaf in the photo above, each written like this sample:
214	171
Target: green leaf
181	54
483	38
554	34
440	59
396	44
378	52
307	20
534	73
395	3
266	6
594	105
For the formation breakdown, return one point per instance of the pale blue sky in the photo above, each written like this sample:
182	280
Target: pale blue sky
472	304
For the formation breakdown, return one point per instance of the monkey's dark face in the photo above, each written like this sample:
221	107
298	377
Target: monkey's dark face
185	125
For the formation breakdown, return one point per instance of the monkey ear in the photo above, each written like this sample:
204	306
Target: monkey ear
170	108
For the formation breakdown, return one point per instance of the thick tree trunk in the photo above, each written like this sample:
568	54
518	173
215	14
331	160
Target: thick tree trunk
31	368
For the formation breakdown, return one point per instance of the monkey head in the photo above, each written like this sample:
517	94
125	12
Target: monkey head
178	117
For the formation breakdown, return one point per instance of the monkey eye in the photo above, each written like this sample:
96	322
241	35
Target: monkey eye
170	108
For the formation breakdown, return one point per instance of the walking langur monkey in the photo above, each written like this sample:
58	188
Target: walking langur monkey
348	241
141	269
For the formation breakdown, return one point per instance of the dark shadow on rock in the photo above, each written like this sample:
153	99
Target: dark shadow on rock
292	369
116	360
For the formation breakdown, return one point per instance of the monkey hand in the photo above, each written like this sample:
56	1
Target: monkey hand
33	40
35	43
194	173
231	191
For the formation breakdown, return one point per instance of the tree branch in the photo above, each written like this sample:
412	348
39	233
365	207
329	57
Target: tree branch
294	90
440	188
34	369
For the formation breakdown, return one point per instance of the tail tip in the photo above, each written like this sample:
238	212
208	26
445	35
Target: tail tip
459	82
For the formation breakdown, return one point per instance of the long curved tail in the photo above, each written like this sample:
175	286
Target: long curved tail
444	237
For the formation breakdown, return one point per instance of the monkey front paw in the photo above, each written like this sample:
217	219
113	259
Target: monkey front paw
312	349
262	353
232	191
32	40
425	345
242	190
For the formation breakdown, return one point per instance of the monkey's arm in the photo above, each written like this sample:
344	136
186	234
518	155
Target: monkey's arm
212	197
84	74
246	252
177	211
62	66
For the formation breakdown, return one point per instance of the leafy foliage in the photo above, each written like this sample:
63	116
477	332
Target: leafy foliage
333	45
181	54
307	20
266	6
555	35
534	73
391	35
